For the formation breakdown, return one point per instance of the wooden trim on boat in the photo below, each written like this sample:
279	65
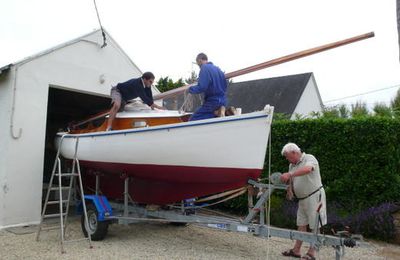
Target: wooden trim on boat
99	123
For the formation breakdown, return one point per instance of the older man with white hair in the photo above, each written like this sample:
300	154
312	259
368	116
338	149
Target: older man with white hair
305	185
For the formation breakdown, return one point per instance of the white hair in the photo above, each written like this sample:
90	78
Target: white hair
290	147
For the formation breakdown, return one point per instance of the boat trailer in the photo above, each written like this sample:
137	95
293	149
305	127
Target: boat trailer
102	212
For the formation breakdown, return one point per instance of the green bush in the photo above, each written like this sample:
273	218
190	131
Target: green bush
359	158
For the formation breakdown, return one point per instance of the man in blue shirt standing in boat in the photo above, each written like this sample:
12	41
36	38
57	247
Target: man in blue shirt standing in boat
133	88
213	84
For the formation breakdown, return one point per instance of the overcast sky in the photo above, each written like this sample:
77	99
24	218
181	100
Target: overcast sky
165	36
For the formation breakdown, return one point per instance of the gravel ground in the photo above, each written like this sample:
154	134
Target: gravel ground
163	241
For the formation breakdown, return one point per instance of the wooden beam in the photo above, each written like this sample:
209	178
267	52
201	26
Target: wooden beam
277	61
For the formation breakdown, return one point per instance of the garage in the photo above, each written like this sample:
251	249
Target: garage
40	95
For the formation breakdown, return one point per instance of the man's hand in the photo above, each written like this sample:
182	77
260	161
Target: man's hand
285	177
154	105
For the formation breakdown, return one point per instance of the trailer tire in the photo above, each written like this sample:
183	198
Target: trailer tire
97	229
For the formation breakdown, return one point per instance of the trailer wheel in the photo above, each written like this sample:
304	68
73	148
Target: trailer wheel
97	229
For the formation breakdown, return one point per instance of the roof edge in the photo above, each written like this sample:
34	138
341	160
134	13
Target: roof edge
317	89
122	50
284	76
5	68
56	47
68	43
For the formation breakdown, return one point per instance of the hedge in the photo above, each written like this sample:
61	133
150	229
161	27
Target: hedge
359	158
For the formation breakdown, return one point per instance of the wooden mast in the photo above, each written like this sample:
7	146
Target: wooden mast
277	61
287	58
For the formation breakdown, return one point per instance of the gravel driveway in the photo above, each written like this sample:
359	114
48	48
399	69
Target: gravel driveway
163	241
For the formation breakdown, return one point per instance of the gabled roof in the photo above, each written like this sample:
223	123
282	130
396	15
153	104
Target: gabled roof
281	92
55	48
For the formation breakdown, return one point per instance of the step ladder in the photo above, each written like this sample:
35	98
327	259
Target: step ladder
63	202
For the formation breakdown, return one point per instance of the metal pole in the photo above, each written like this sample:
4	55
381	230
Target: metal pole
71	183
126	198
61	207
262	215
83	202
97	184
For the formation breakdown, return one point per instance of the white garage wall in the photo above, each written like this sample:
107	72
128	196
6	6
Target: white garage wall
76	66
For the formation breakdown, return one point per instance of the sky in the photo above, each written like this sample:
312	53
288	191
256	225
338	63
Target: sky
165	36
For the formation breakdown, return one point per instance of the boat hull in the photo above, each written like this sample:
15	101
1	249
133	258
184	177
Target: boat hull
161	184
173	162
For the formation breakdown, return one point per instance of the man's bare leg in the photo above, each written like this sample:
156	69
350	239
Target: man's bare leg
297	245
113	113
311	251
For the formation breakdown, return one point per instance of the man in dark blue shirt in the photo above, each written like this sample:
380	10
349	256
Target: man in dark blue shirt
133	88
213	84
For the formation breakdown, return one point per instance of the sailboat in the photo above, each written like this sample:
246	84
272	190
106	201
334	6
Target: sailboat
168	158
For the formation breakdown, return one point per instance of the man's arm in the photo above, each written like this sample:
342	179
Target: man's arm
299	172
202	84
146	95
149	94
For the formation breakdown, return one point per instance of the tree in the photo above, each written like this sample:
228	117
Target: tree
281	116
382	110
359	109
165	84
344	111
192	79
330	112
395	104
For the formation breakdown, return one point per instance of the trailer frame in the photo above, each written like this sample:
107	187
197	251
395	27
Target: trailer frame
129	212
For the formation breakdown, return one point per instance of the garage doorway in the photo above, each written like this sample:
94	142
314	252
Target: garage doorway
64	107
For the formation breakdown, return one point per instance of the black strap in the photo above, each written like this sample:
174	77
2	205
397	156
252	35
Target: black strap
309	194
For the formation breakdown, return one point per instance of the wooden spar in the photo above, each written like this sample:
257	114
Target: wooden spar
94	117
298	55
277	61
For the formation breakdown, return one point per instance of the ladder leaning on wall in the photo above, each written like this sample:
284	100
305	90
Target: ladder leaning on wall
63	202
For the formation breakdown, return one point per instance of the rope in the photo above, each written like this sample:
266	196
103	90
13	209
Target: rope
268	208
187	101
226	199
240	192
101	27
219	195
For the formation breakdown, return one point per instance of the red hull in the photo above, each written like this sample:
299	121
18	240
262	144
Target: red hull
160	184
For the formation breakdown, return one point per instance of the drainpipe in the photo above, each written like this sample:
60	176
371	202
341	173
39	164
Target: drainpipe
13	107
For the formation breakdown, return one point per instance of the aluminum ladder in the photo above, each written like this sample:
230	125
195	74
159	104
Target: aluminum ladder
63	203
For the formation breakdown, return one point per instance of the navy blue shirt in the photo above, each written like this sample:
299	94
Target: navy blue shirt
134	88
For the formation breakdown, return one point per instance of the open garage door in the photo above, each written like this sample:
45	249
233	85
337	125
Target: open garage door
63	107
